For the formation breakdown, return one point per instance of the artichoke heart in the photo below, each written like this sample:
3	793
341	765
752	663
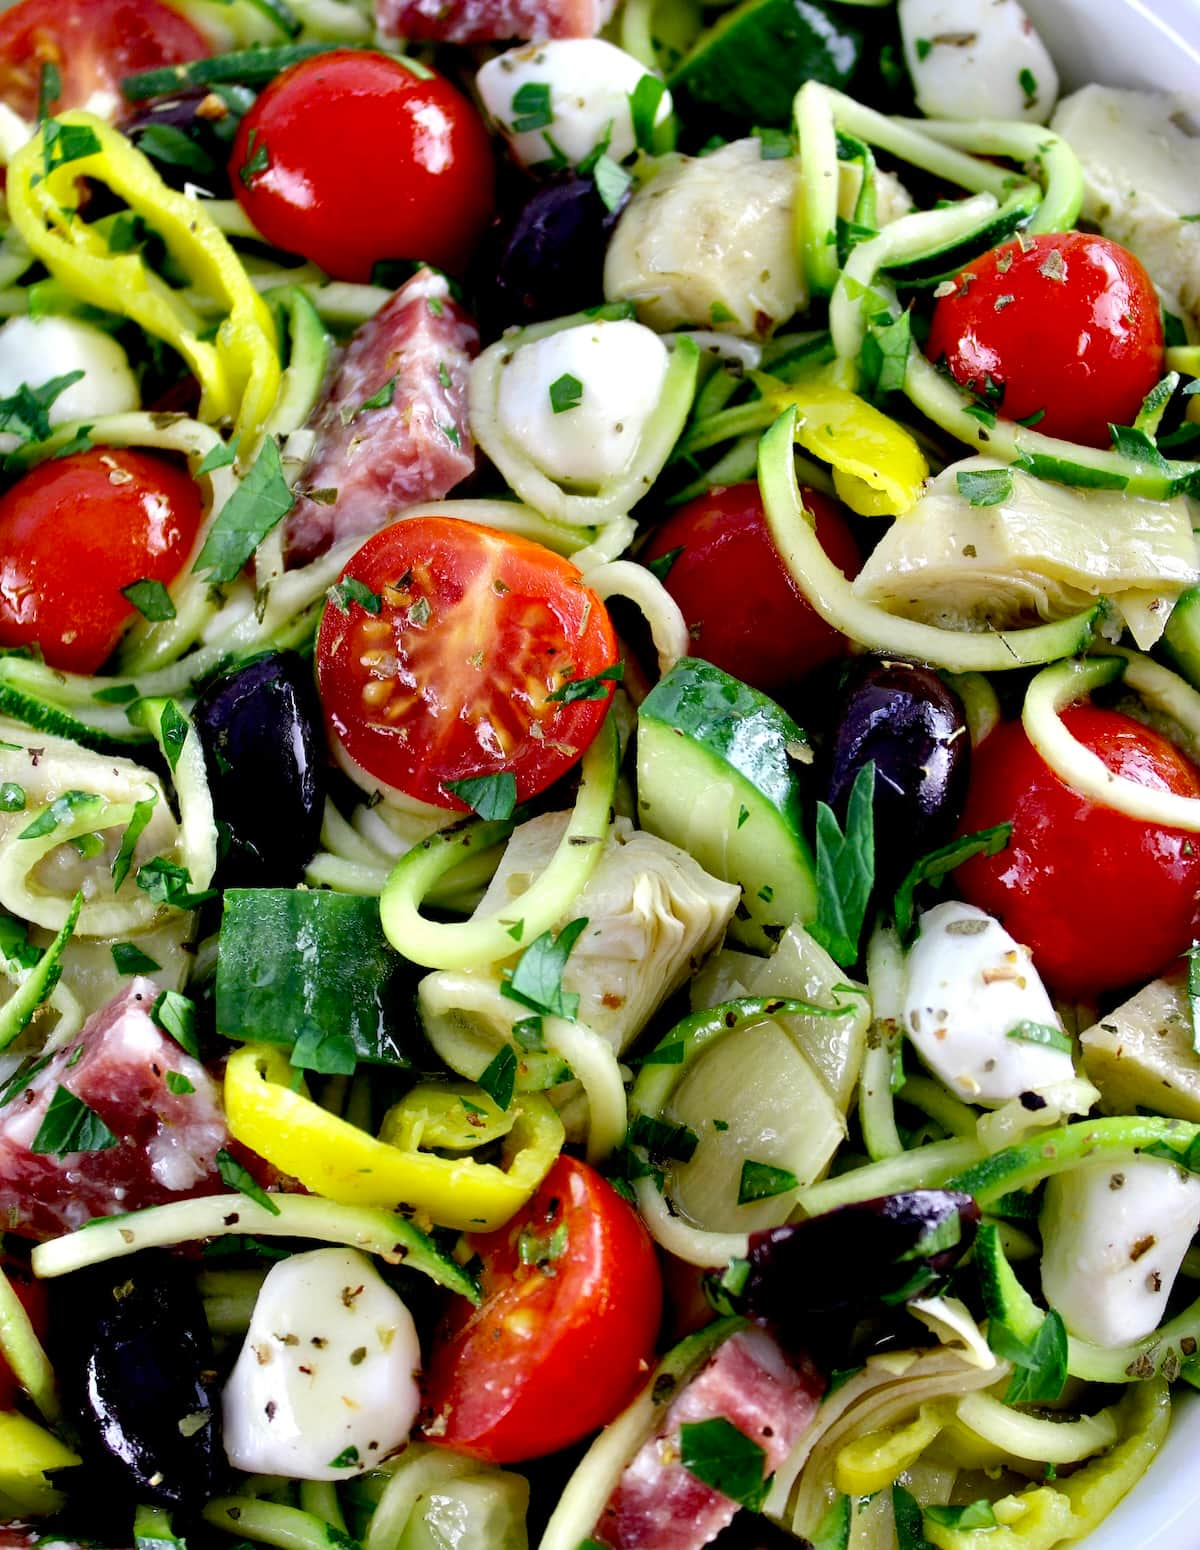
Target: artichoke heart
1044	551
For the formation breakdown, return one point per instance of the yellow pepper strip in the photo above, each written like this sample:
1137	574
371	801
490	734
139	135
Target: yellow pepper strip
335	1159
454	1116
878	468
872	1462
238	370
27	1451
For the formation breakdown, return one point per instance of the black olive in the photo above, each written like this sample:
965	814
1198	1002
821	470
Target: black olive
137	1371
828	1271
906	721
547	259
261	732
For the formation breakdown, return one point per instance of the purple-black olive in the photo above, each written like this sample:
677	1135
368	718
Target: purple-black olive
548	259
188	136
855	1261
136	1364
260	728
906	721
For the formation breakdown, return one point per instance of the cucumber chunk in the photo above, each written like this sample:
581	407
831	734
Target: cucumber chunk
717	775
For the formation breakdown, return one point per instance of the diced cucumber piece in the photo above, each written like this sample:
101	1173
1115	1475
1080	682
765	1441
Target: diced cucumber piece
1182	636
474	1512
717	775
1005	1298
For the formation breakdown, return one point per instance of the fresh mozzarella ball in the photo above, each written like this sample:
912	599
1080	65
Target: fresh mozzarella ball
33	350
969	985
972	59
1114	1237
615	369
326	1383
589	83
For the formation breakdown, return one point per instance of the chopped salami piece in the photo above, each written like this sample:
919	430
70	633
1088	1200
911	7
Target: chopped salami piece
748	1381
484	21
393	428
168	1135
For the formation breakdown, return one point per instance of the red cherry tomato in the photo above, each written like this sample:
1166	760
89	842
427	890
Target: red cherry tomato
73	533
452	678
32	1296
1067	325
1101	900
351	157
744	612
566	1329
92	43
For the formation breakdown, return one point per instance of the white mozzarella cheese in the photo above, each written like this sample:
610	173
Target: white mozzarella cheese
576	402
570	94
1114	1237
972	59
969	989
326	1383
34	350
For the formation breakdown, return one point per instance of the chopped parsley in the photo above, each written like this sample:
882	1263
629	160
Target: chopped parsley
1040	1033
594	688
381	398
151	599
612	182
985	486
62	143
491	796
723	1457
70	1126
25	413
169	883
241	1179
500	1076
845	870
644	102
176	1016
661	1140
976	1514
60	811
346	1459
1040	1364
932	868
1027	81
762	1181
531	107
49	89
220	456
130	959
661	568
351	590
138	820
257	160
179	1084
259	503
173	728
536	981
12	797
566	392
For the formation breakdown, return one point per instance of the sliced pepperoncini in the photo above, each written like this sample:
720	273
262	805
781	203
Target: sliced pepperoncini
238	365
336	1159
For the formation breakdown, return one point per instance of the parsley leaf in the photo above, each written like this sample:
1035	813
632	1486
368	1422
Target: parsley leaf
70	1126
716	1452
932	868
536	981
1027	81
241	1179
884	354
258	159
910	1526
25	412
179	1084
531	107
644	102
976	1514
762	1181
594	688
661	568
566	392
168	144
662	1140
833	1531
1136	445
12	797
61	810
1193	991
985	486
62	143
845	870
612	182
221	456
1041	1364
352	590
169	883
346	1459
327	1053
1040	1033
491	796
259	503
173	729
130	959
381	398
176	1016
139	818
500	1076
151	599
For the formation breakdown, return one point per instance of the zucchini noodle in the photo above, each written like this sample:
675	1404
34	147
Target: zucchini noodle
927	1167
23	1351
1031	1437
593	1061
668	628
197	823
268	1523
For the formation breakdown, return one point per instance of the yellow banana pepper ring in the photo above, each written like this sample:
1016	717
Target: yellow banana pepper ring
27	1453
335	1159
238	370
878	468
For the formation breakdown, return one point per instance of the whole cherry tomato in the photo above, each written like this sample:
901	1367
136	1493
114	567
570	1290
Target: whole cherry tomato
92	44
744	612
73	533
455	659
1065	327
1101	900
350	157
565	1332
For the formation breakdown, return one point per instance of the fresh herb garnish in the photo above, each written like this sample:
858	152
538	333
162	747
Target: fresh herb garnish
531	107
62	143
884	354
499	1077
258	159
241	1179
173	730
1128	441
61	810
845	870
151	599
381	398
179	1084
612	182
25	413
221	456
985	486
661	568
566	392
324	1051
12	797
259	503
644	102
975	1515
542	1249
1040	1033
1041	1363
932	868
762	1181
351	590
594	688
169	145
1027	81
662	1140
169	883
49	89
536	980
716	1452
70	1126
528	1034
176	1016
1193	991
346	1459
138	820
491	796
910	1526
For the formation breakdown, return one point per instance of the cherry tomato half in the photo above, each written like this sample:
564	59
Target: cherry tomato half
1064	325
1101	900
744	612
92	43
351	157
73	533
565	1332
32	1296
451	678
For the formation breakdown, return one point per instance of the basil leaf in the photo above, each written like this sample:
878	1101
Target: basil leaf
350	591
1041	1364
61	810
133	831
151	599
500	1076
910	1525
566	392
723	1457
531	107
70	1126
536	981
176	1016
662	1140
130	959
491	796
220	456
259	503
932	868
594	688
845	870
644	102
241	1179
1040	1033
762	1181
985	486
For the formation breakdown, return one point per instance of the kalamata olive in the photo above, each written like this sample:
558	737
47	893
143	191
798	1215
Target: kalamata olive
548	259
136	1365
188	135
854	1261
913	728
260	728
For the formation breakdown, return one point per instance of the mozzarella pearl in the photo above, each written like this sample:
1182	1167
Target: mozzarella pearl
326	1383
34	350
1114	1237
619	368
968	985
589	84
972	59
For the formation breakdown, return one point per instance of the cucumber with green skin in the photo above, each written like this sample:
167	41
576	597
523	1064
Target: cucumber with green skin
1182	636
718	776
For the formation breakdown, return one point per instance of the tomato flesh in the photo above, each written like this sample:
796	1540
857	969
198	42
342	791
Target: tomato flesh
1102	900
744	612
76	530
93	44
566	1330
349	158
1065	326
451	679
